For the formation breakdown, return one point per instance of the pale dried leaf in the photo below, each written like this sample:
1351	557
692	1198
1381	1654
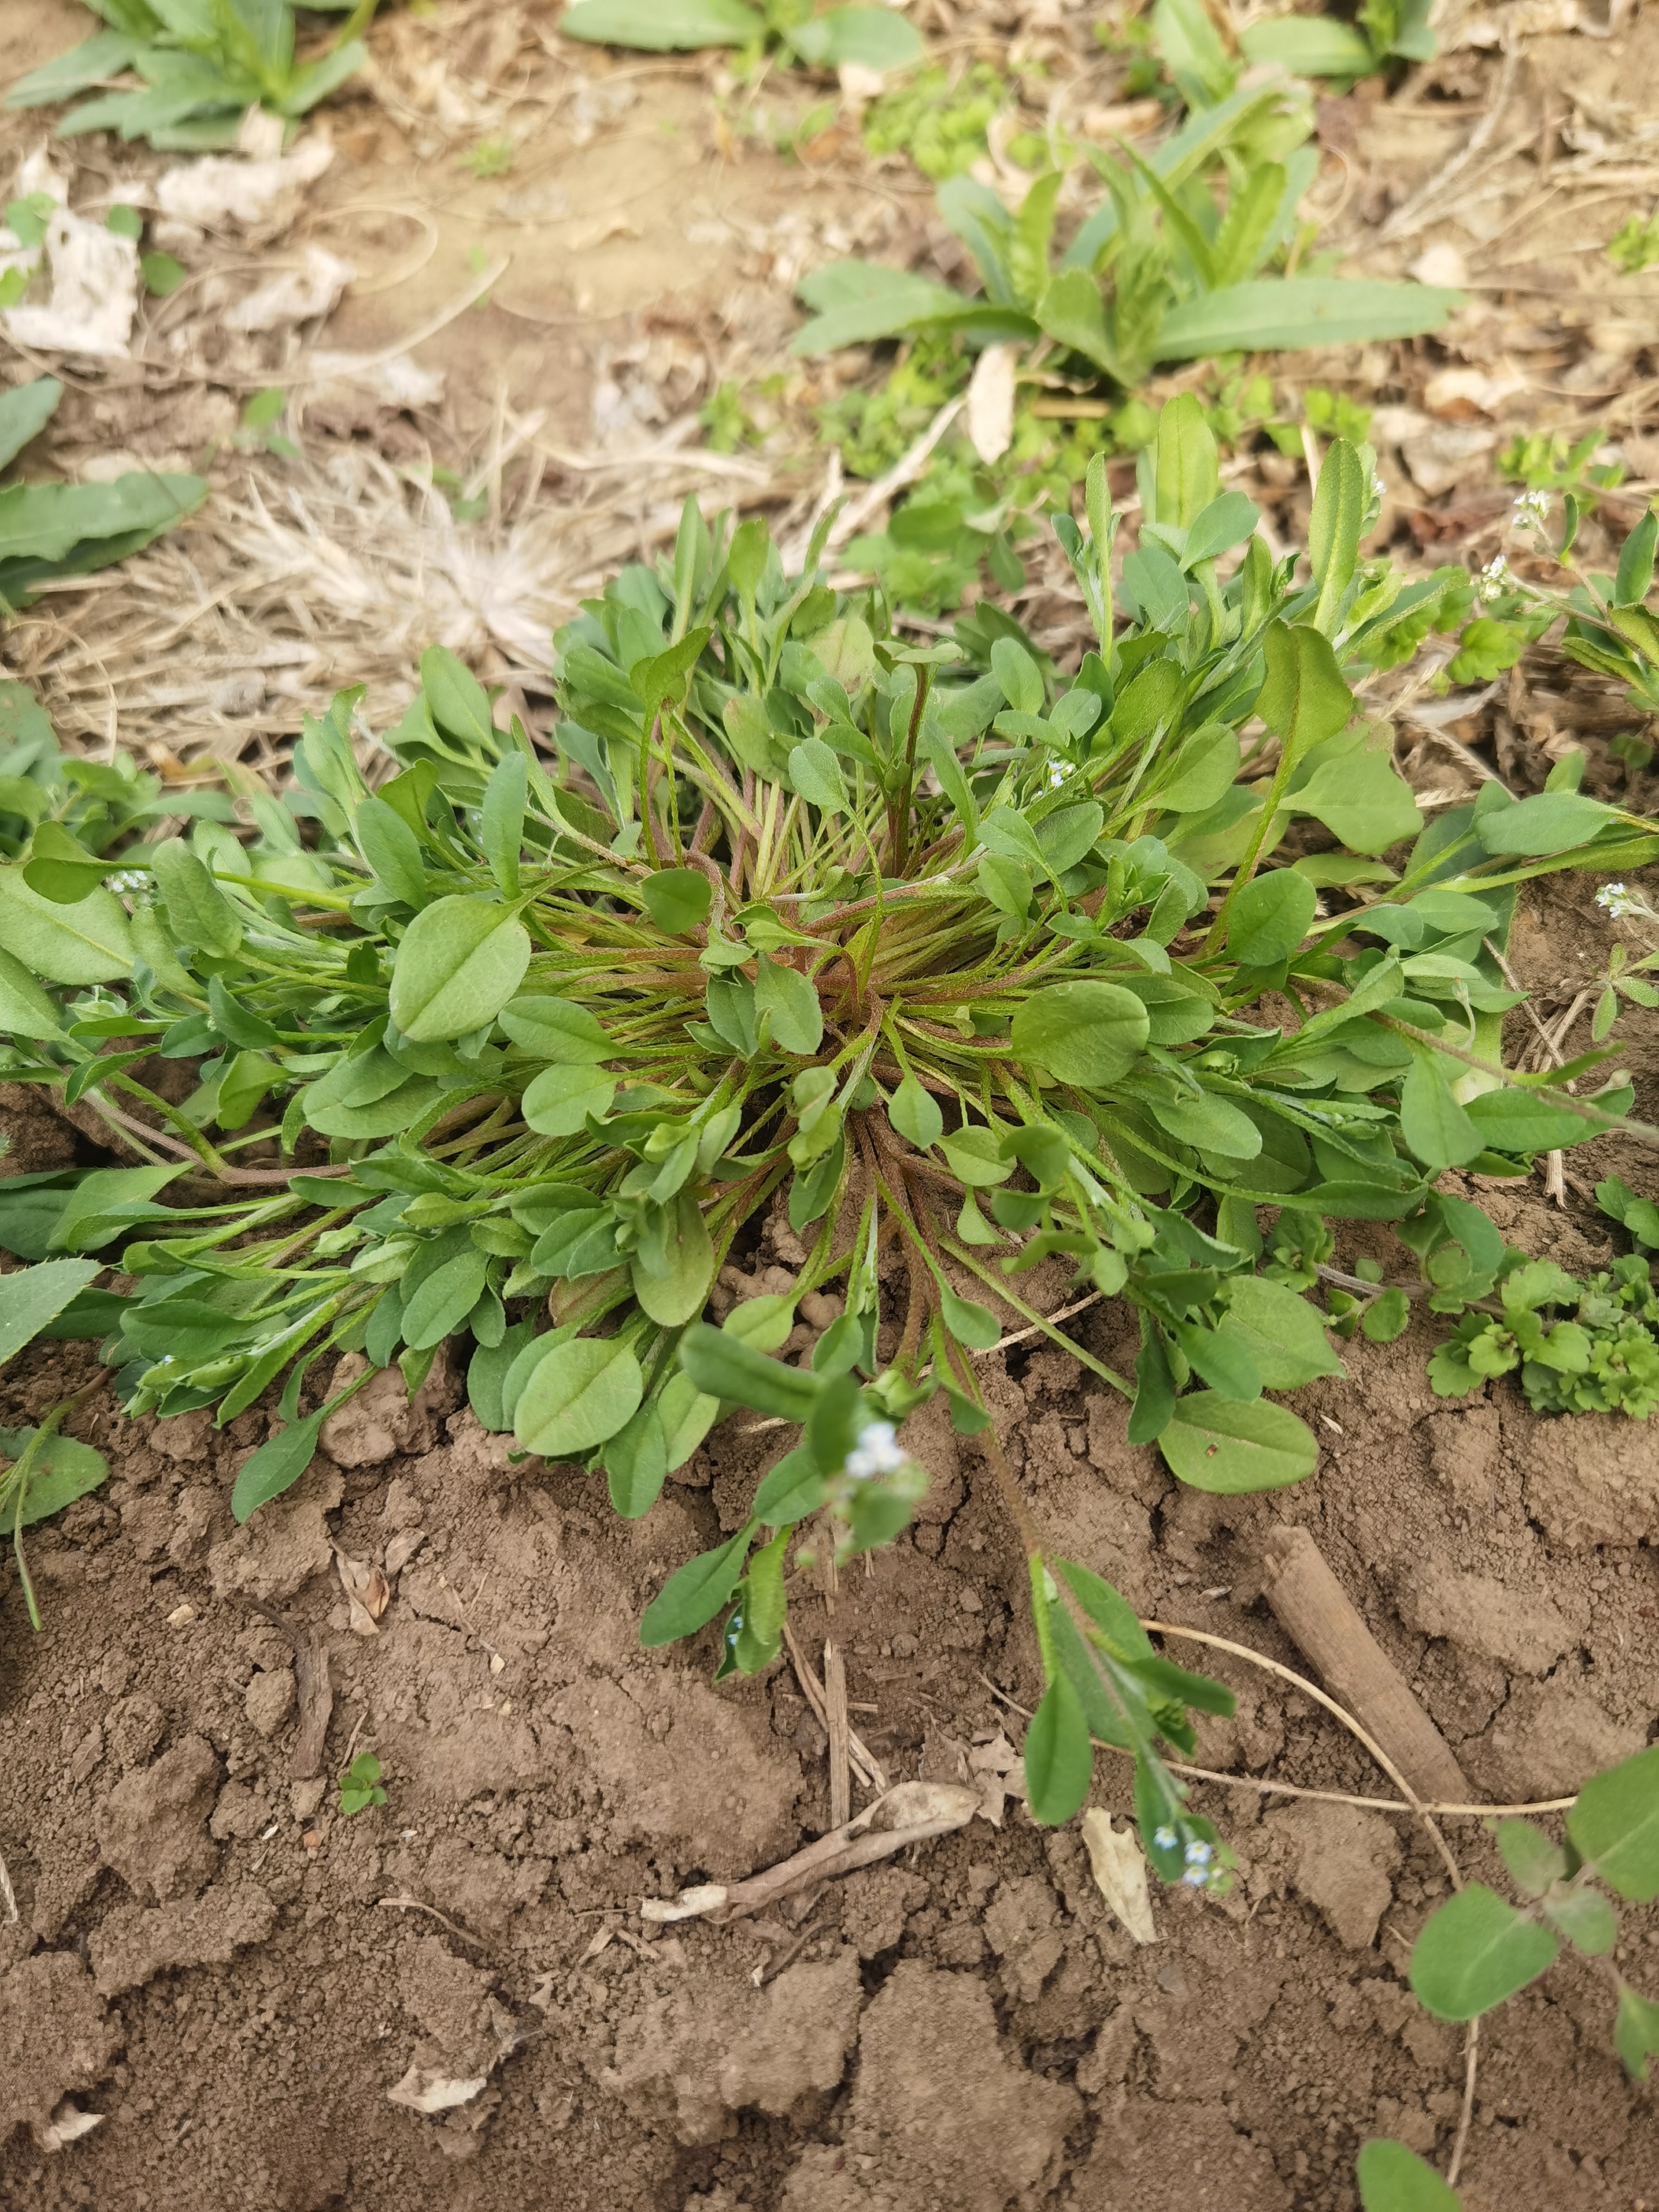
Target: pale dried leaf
368	1593
94	292
67	2124
297	296
1440	264
1119	1872
707	1897
1462	393
425	2089
402	1549
991	401
216	189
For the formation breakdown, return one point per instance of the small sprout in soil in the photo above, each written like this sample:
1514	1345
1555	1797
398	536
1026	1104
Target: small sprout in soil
360	1786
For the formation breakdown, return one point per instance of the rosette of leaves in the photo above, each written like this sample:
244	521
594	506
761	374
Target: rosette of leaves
200	65
954	961
56	529
1383	31
1173	265
1478	1950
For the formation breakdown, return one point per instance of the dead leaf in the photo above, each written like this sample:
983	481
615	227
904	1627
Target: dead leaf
67	2124
1119	1872
402	1549
1460	394
213	190
1440	264
297	296
368	1593
991	401
94	292
426	2089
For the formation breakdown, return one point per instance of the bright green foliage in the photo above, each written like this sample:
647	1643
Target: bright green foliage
1635	244
360	1786
931	950
1476	1950
1325	45
867	37
52	529
940	124
200	68
1394	2179
1162	270
1599	1356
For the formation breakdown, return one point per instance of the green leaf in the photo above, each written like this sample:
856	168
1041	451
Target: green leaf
1221	1444
557	1030
1549	822
24	1009
1084	1033
1438	1130
458	702
198	912
1525	1121
25	410
1391	2177
1474	1952
487	1373
460	961
860	302
501	823
816	774
1614	1826
1278	315
677	899
1357	791
1059	1756
560	1100
101	1203
88	943
31	1297
914	1112
1533	1859
1305	698
690	1599
1070	310
788	997
444	1299
675	1298
636	1463
1270	917
726	1368
1188	470
1586	1919
277	1465
390	847
578	1395
663	25
1286	1338
688	1415
971	1324
1636	2030
792	1490
862	37
62	1471
1209	1122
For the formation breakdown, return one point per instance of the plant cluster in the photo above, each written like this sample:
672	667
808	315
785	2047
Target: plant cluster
939	117
58	529
200	65
952	962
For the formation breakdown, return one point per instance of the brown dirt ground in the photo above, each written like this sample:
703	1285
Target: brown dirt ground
234	1976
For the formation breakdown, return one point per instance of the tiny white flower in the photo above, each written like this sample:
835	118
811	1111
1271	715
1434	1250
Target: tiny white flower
1199	1854
1494	579
1623	904
1532	510
877	1451
1379	489
1056	775
1196	1878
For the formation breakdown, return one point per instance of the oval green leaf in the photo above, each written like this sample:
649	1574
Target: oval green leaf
1474	1952
580	1395
1615	1824
460	961
1391	2177
87	943
1269	918
1221	1444
677	899
555	1030
1084	1033
1059	1756
676	1297
560	1100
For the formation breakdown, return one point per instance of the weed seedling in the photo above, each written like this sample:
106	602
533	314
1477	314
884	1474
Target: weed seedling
360	1786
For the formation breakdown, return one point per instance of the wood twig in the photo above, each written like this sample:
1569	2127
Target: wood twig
1318	1616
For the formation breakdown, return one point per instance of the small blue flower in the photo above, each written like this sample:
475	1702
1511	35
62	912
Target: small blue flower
1165	1839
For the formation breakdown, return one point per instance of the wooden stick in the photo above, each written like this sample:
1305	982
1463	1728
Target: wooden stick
840	1728
1316	1613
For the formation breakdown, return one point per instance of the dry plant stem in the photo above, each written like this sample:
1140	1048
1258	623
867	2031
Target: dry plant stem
8	1895
870	1770
1611	1124
419	1904
1316	1613
840	1728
